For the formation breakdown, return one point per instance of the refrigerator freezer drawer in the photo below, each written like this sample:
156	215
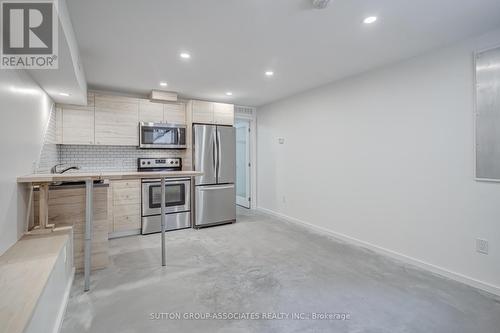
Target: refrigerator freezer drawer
215	204
151	224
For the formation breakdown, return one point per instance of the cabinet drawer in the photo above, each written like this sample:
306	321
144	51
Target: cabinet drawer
127	222
126	196
127	210
121	184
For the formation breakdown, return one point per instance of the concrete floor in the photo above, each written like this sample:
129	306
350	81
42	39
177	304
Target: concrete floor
261	265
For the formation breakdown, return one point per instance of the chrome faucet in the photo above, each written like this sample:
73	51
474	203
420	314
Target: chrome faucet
54	168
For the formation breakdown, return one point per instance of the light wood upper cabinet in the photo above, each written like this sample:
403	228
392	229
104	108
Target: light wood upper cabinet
150	112
116	120
174	113
223	114
202	112
211	113
77	123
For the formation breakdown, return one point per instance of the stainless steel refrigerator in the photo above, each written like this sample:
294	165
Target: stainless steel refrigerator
214	153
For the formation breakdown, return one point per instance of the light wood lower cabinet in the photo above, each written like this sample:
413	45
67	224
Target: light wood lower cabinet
67	208
126	207
116	120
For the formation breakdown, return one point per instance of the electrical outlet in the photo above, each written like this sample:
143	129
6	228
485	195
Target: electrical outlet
482	246
283	199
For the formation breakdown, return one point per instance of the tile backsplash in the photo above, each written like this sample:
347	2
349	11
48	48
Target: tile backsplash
114	158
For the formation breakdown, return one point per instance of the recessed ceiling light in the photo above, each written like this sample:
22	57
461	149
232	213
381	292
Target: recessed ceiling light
229	93
269	73
163	84
370	19
320	4
63	94
185	55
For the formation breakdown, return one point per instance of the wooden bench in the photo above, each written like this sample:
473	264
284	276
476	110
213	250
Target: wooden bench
35	278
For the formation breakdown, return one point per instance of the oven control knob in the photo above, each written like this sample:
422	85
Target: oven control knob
171	162
148	164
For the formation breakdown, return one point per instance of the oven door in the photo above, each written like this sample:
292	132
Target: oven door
177	196
168	136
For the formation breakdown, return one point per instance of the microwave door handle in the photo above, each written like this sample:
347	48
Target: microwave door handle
178	136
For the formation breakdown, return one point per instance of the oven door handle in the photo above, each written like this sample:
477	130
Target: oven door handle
213	188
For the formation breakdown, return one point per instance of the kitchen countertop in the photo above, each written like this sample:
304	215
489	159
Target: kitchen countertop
77	176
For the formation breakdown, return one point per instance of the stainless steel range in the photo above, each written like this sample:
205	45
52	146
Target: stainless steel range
177	196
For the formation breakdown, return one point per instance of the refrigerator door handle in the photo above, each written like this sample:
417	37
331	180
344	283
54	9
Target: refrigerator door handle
219	153
214	154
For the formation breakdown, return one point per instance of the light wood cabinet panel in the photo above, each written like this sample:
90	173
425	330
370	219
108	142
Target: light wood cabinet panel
67	208
126	205
78	123
150	112
126	184
174	113
116	120
127	217
223	114
126	196
202	112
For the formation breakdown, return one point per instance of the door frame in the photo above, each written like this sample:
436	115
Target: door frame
247	200
253	151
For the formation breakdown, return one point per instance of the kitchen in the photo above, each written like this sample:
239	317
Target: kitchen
249	166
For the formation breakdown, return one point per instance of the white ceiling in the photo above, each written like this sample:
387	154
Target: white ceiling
132	45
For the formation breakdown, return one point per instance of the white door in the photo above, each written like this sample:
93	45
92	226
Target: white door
242	162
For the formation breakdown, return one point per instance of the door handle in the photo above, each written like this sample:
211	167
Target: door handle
215	188
219	153
214	151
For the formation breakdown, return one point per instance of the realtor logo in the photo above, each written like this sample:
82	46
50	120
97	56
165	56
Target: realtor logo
29	35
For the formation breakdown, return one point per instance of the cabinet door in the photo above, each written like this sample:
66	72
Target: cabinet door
203	112
78	123
223	114
174	113
150	112
116	120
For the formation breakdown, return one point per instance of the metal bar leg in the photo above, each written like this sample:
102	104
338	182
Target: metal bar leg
162	205
43	215
89	217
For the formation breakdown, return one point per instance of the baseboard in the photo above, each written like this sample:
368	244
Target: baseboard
64	304
386	252
126	233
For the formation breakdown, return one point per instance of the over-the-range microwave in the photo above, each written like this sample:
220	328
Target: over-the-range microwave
162	136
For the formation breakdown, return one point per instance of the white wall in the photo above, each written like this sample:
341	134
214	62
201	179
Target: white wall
24	113
386	158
